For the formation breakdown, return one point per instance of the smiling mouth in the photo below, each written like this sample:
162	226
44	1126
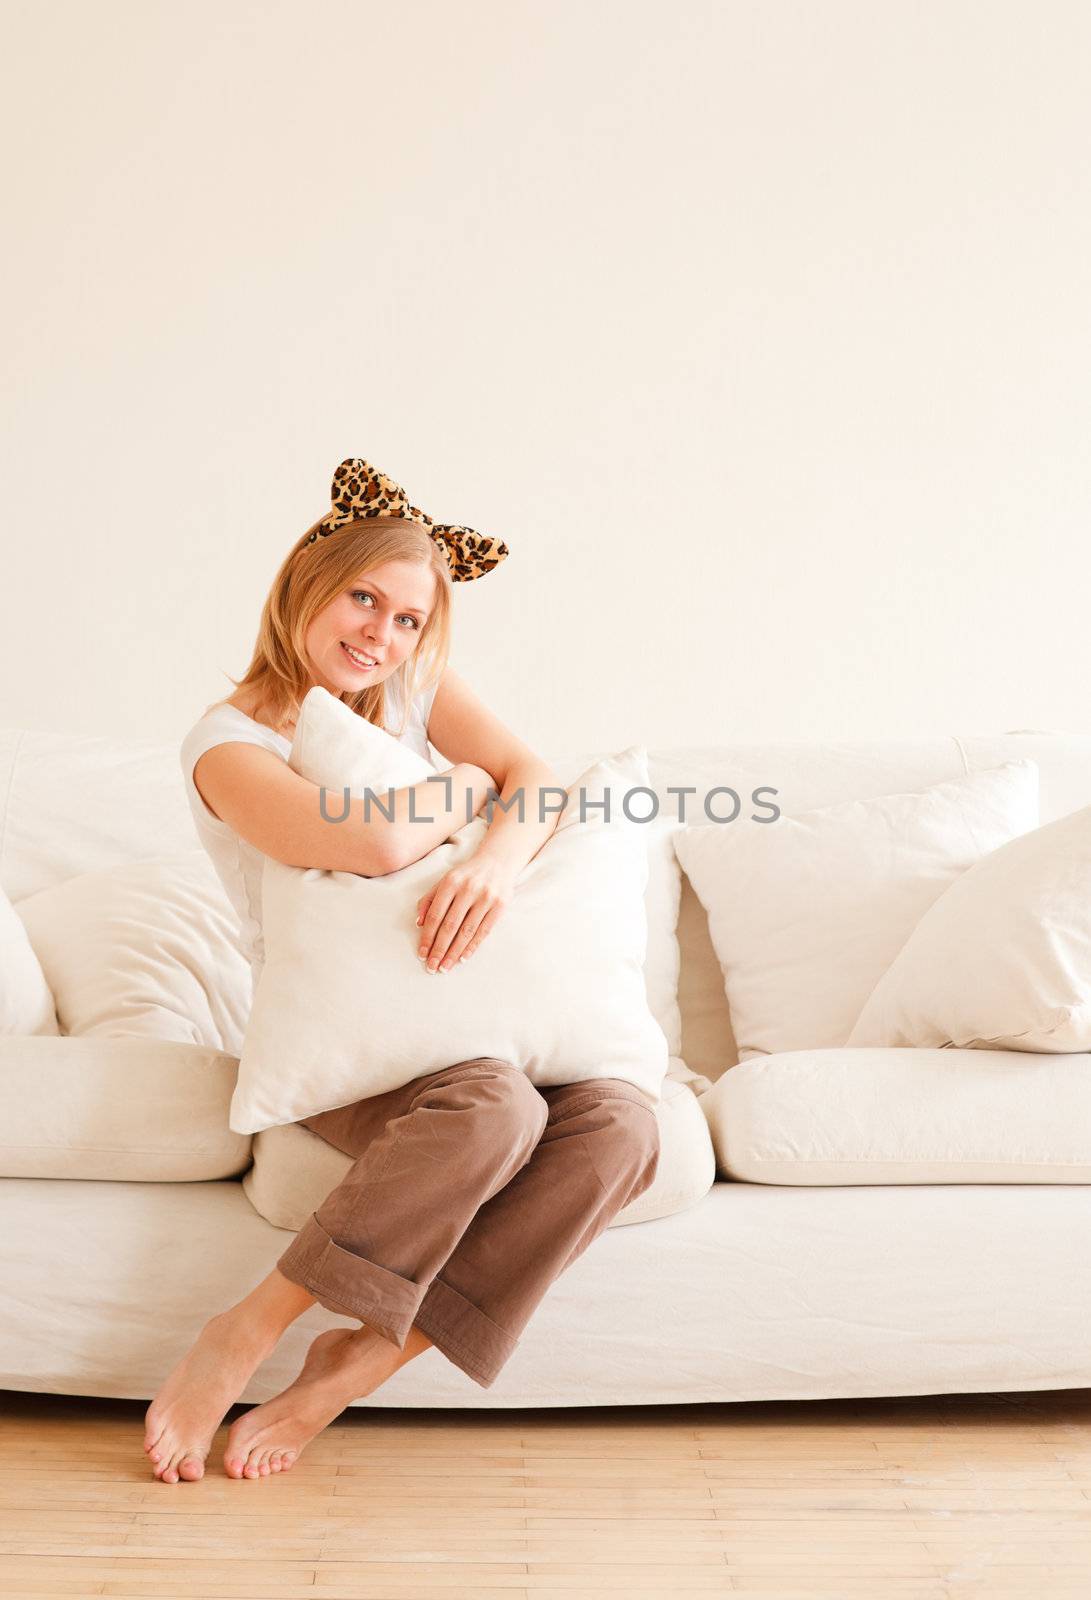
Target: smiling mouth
359	658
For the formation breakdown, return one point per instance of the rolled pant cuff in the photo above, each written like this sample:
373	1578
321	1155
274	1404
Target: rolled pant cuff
350	1285
467	1337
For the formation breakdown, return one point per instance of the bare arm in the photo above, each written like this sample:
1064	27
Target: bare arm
269	805
465	729
462	908
515	836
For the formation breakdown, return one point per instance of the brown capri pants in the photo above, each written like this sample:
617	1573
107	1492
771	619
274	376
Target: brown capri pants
471	1191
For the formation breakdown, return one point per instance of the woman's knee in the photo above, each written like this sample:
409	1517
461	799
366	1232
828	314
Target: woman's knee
635	1142
499	1091
524	1108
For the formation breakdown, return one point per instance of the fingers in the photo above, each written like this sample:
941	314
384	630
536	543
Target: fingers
456	915
441	926
467	938
467	922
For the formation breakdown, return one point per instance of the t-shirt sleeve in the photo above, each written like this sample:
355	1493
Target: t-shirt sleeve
201	737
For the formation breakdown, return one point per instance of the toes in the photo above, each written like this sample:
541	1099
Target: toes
257	1462
171	1466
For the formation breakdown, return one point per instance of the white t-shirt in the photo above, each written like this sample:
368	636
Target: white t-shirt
237	862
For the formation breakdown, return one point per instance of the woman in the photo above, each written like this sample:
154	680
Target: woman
498	1185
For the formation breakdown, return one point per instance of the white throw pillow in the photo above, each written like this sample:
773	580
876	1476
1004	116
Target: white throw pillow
344	1009
1002	960
661	902
26	1005
151	948
807	912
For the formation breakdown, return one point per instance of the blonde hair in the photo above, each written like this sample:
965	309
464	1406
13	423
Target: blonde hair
310	576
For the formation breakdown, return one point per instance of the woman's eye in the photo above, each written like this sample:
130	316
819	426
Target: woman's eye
367	594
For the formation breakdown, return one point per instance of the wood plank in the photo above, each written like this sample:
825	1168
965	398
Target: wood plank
918	1498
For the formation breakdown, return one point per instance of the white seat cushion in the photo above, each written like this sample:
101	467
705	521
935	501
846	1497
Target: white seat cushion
142	1110
294	1169
860	1115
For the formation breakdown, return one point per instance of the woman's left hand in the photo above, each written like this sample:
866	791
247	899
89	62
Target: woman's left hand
461	910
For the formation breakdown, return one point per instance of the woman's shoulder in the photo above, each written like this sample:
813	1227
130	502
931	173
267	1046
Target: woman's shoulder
224	723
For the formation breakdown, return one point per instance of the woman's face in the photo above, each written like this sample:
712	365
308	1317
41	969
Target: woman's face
379	614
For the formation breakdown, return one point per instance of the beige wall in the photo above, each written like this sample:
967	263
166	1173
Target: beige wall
760	332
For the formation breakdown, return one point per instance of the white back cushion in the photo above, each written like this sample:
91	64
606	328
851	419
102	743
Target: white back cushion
807	912
1002	960
71	802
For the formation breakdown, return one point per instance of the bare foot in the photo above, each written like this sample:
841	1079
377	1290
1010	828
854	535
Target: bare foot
183	1417
342	1364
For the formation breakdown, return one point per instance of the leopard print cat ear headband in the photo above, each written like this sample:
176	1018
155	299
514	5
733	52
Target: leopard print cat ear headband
361	490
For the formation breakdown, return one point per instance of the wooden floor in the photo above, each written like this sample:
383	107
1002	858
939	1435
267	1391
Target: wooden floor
936	1496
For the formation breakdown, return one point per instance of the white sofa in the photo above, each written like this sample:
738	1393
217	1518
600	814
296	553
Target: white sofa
797	1242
